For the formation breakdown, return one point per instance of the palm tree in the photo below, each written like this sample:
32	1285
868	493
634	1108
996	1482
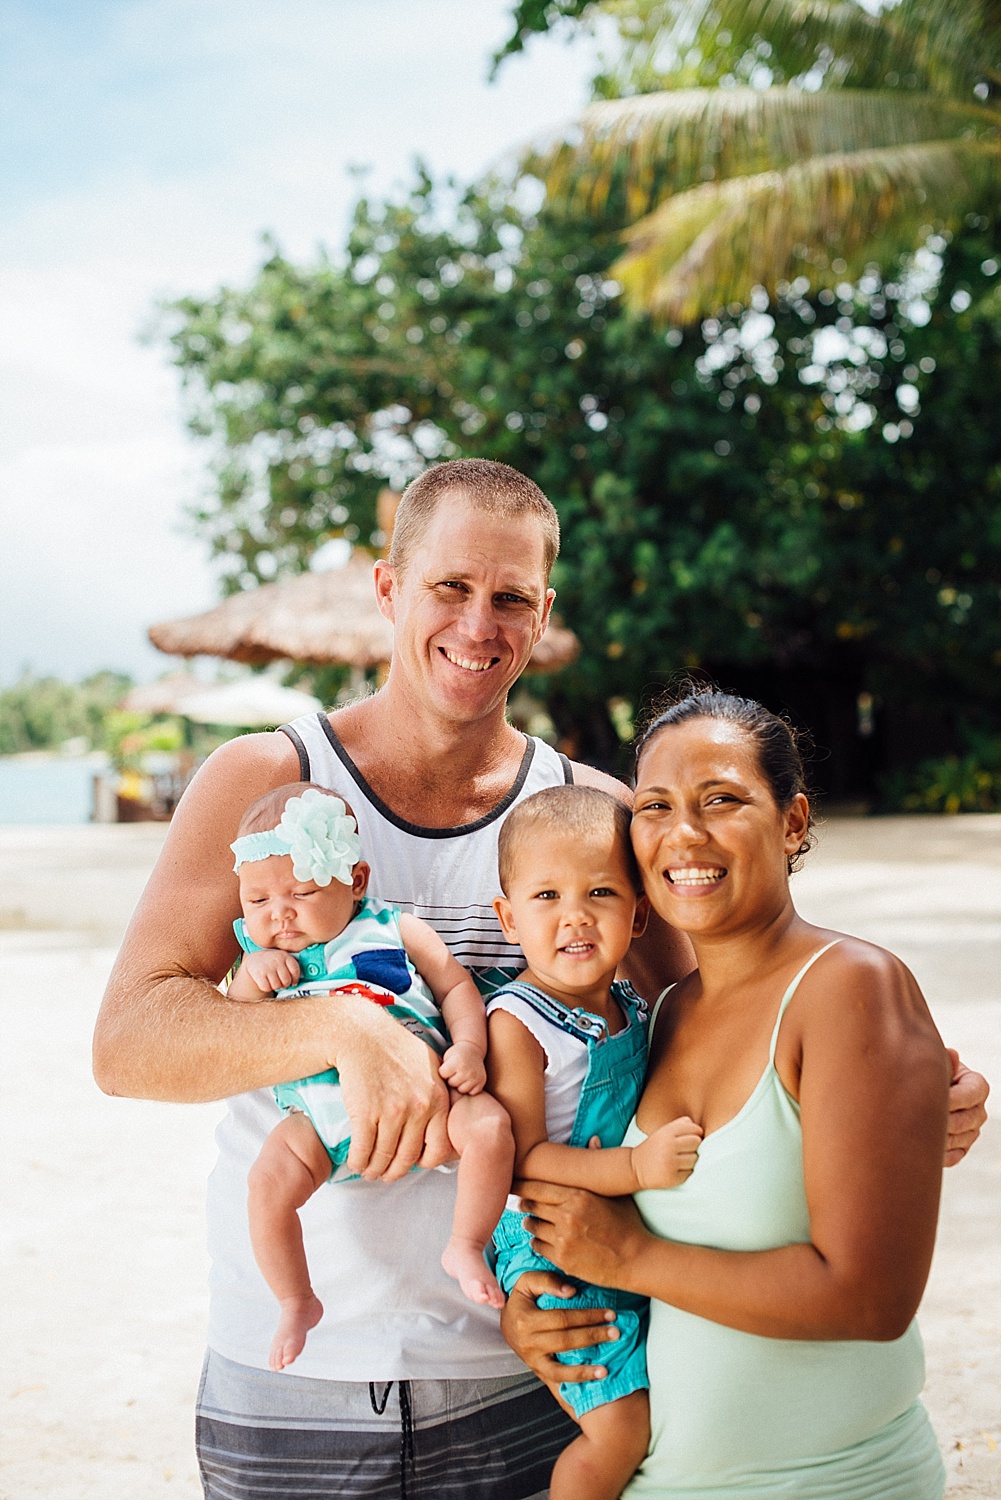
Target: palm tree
834	135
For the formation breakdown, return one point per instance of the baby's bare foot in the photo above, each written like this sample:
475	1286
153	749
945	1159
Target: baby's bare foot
298	1316
464	1261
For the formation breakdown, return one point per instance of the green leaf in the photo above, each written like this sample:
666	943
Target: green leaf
709	246
671	141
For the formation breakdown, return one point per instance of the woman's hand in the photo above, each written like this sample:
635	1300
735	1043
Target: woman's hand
538	1334
597	1239
967	1112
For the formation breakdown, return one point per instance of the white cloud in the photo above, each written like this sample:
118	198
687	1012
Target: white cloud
156	140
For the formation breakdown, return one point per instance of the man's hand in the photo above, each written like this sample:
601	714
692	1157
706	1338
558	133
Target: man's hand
463	1068
967	1109
397	1103
271	969
667	1157
537	1334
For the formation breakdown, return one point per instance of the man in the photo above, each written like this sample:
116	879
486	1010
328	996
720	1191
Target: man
405	1387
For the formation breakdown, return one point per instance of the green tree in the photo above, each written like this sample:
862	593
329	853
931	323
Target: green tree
39	713
723	505
770	139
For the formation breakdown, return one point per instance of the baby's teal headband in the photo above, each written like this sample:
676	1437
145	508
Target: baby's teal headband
316	830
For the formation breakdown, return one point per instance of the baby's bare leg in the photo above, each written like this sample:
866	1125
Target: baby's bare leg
612	1444
293	1163
480	1131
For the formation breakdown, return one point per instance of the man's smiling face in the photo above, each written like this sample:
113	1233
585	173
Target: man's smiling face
469	608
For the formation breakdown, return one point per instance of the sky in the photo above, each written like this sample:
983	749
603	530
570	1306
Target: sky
145	146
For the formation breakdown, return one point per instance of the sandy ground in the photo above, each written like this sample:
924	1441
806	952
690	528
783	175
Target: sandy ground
103	1265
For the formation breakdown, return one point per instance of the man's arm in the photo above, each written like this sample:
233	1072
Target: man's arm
165	1032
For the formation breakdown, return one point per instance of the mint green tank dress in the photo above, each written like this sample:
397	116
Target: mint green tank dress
736	1414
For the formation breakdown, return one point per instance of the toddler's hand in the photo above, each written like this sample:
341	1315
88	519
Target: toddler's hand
271	969
668	1156
462	1068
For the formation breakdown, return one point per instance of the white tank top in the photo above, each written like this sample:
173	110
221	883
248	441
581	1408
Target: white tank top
390	1312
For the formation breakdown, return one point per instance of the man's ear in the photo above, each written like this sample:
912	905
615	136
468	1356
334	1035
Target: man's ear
547	610
359	879
386	584
642	915
505	917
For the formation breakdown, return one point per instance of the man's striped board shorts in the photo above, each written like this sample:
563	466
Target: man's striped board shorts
263	1436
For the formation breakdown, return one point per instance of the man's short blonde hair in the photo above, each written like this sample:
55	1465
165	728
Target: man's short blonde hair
493	487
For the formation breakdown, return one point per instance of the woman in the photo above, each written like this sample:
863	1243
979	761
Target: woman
786	1271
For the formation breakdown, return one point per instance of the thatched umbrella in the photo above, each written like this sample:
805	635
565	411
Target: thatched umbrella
163	697
252	703
317	619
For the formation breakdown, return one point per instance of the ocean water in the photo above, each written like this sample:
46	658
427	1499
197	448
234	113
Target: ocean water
47	789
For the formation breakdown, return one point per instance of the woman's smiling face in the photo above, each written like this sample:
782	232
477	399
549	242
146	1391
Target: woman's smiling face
711	841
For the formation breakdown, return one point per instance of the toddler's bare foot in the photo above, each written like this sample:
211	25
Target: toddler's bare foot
463	1259
298	1316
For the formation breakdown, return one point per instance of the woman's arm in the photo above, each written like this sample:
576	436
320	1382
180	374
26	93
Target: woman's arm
165	1032
873	1096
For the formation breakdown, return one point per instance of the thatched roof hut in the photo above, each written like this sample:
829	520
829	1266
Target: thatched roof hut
315	618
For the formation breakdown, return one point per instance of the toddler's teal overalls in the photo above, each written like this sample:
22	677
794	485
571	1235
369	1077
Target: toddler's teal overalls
615	1069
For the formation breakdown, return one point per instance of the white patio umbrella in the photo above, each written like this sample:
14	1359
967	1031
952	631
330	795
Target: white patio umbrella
251	703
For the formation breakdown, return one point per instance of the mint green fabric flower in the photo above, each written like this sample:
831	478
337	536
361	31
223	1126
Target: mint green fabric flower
322	838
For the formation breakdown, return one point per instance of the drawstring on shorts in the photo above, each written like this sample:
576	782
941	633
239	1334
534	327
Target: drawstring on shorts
407	1451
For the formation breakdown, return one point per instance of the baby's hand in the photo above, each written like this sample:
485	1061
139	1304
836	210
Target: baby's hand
668	1156
271	969
462	1068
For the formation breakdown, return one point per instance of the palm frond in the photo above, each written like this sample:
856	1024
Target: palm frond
798	31
926	43
673	140
710	245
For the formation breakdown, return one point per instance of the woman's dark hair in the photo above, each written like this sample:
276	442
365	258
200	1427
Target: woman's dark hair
779	745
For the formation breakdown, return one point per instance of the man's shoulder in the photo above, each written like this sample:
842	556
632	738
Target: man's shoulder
270	759
584	775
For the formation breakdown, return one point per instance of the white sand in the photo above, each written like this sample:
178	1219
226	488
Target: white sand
103	1264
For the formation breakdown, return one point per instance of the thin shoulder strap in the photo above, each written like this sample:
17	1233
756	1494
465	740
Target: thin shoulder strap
792	990
576	1023
301	751
656	1012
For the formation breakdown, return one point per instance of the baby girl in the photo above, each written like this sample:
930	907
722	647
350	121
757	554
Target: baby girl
308	928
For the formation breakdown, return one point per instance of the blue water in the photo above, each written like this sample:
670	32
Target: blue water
46	791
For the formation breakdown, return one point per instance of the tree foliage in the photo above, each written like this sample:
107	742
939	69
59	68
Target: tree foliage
728	498
40	713
767	139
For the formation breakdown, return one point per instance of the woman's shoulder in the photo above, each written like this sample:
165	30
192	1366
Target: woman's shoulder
840	955
858	991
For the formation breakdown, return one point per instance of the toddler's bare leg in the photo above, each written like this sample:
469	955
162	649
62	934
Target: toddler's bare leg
480	1131
612	1444
293	1163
